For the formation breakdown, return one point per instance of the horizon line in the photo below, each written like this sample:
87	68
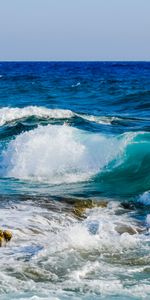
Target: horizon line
122	61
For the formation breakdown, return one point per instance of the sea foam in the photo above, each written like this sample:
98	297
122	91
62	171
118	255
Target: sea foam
57	250
145	198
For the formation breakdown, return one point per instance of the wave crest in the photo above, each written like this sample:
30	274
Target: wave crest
8	114
11	114
58	154
63	154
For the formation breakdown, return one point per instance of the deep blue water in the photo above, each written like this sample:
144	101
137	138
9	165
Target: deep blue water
117	93
113	89
75	129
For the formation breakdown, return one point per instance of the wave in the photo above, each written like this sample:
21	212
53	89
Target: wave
8	114
130	175
58	154
11	114
100	119
145	198
64	154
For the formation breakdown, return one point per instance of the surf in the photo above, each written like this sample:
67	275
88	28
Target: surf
57	154
60	154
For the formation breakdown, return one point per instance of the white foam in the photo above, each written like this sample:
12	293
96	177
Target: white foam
100	119
11	114
70	255
77	84
59	154
8	114
148	221
145	198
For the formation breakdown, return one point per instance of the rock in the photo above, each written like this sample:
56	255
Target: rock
1	233
5	236
81	205
102	204
122	228
1	241
146	270
128	205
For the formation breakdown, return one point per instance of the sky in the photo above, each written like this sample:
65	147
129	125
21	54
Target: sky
62	30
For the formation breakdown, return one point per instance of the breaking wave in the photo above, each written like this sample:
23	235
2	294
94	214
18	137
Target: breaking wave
8	114
145	198
63	154
58	154
11	114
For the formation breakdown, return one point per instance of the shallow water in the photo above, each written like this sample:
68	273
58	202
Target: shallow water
70	132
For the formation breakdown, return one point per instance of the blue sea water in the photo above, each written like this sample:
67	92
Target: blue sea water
71	131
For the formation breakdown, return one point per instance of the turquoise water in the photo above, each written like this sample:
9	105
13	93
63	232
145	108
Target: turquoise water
70	132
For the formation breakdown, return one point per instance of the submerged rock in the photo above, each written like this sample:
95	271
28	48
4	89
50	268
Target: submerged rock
80	206
122	228
5	236
127	205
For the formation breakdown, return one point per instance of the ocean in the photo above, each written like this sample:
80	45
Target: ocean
75	180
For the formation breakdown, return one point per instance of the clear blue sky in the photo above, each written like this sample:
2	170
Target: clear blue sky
74	29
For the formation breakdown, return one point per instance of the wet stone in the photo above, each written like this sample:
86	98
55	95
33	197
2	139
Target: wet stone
5	236
80	206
